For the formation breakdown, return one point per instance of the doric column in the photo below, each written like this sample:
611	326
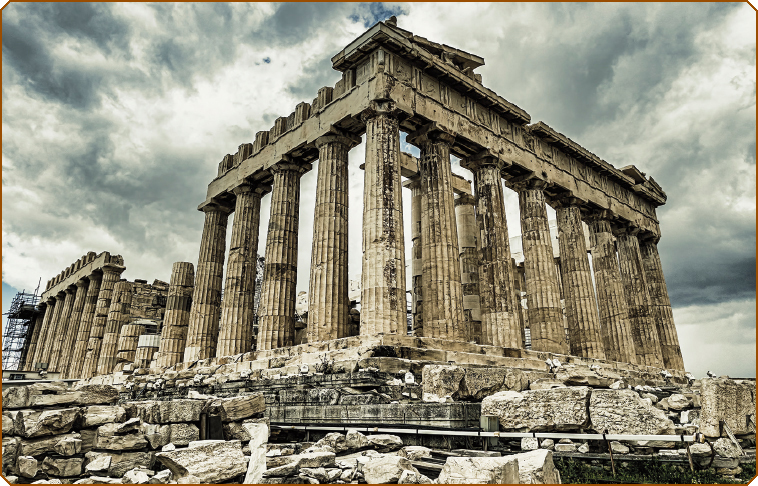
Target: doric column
276	311
111	275
614	315
27	360
328	303
176	319
661	305
414	184
585	338
543	292
202	332
465	219
72	331
636	290
85	326
42	339
128	338
441	264
50	337
61	329
237	313
118	315
500	321
383	301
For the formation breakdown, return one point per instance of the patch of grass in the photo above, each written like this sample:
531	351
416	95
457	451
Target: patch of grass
580	472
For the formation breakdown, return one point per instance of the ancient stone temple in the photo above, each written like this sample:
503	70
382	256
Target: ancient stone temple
577	337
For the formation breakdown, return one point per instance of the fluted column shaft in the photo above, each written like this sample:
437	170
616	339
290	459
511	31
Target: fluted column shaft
61	329
276	311
118	315
416	258
85	326
28	359
42	339
128	338
202	332
500	320
72	332
543	293
585	338
614	315
661	306
176	318
465	219
441	264
383	301
111	275
328	302
237	313
636	290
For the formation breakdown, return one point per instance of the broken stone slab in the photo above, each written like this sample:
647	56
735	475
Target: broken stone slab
96	394
258	446
148	411
410	477
546	384
174	411
354	440
565	447
386	469
678	402
238	408
15	397
62	467
97	415
464	383
125	461
182	434
583	448
725	399
27	466
385	442
619	448
323	475
558	409
688	416
415	453
31	423
548	444
107	439
100	464
724	447
9	428
480	470
537	467
577	375
624	412
135	476
36	447
157	435
99	480
334	441
48	481
68	446
209	463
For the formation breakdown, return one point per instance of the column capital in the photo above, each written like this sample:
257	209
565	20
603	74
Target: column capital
287	164
431	132
111	268
529	182
252	187
70	289
485	158
413	182
81	283
380	108
96	274
599	215
465	199
567	200
648	238
619	228
50	301
335	135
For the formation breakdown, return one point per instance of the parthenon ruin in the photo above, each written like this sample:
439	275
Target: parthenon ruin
616	307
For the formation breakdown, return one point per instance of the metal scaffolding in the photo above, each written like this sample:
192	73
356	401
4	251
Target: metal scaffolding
20	325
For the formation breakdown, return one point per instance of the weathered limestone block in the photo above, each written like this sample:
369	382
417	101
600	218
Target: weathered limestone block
576	375
127	442
183	434
135	476
724	399
120	463
15	397
724	447
624	412
461	383
414	452
386	469
11	451
51	422
35	447
209	463
9	427
480	470
257	463
678	402
64	468
69	446
385	442
180	411
157	435
335	441
102	414
530	444
558	409
27	466
354	440
537	467
99	464
148	411
619	448
238	408
96	394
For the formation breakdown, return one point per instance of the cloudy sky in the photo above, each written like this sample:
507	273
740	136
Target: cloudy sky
115	117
